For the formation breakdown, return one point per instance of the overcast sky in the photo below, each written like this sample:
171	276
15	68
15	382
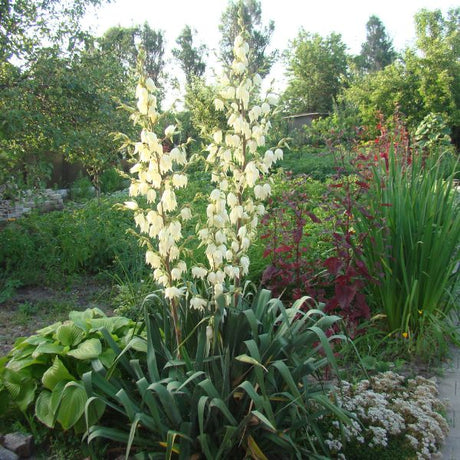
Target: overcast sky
347	17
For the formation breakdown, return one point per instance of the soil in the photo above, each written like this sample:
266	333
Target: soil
32	308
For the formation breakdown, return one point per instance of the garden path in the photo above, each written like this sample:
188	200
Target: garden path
449	388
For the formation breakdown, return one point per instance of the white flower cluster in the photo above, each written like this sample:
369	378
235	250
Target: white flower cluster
388	406
238	171
157	176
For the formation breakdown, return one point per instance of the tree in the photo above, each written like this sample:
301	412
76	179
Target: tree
123	43
120	42
153	43
377	51
317	69
425	80
258	37
66	105
24	24
189	57
438	61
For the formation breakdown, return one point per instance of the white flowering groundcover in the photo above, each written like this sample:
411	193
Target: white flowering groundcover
392	416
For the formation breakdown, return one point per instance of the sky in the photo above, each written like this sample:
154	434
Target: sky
347	17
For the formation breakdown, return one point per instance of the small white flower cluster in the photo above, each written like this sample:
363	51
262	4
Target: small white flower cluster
387	405
157	176
237	168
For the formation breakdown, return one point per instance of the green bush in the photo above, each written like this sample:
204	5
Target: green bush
45	370
52	248
82	189
112	181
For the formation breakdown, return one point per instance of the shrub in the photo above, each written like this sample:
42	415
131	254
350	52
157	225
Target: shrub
311	244
52	248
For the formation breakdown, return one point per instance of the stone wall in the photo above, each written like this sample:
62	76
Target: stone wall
43	201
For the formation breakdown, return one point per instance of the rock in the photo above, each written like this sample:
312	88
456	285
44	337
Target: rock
6	454
19	443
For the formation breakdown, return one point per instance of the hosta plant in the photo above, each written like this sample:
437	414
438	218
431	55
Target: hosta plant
44	370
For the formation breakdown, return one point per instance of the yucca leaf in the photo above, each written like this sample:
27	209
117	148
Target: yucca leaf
256	451
287	377
131	408
168	403
250	360
132	434
171	448
150	401
264	420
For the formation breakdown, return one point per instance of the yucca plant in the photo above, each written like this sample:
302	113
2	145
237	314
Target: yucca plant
246	386
412	245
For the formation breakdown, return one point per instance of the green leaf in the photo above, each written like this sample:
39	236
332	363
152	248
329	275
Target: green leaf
249	360
89	349
255	450
55	374
112	324
47	348
43	410
22	390
264	420
69	334
72	404
108	357
94	410
46	330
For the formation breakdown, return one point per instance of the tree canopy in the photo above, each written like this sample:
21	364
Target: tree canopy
258	36
189	56
377	51
316	69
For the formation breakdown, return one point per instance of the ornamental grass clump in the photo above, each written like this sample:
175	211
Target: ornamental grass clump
410	216
394	417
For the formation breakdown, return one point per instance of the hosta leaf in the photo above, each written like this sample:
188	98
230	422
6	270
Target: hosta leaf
43	409
35	340
48	348
82	318
48	329
20	387
107	357
55	374
69	334
112	323
89	349
17	365
72	404
138	344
